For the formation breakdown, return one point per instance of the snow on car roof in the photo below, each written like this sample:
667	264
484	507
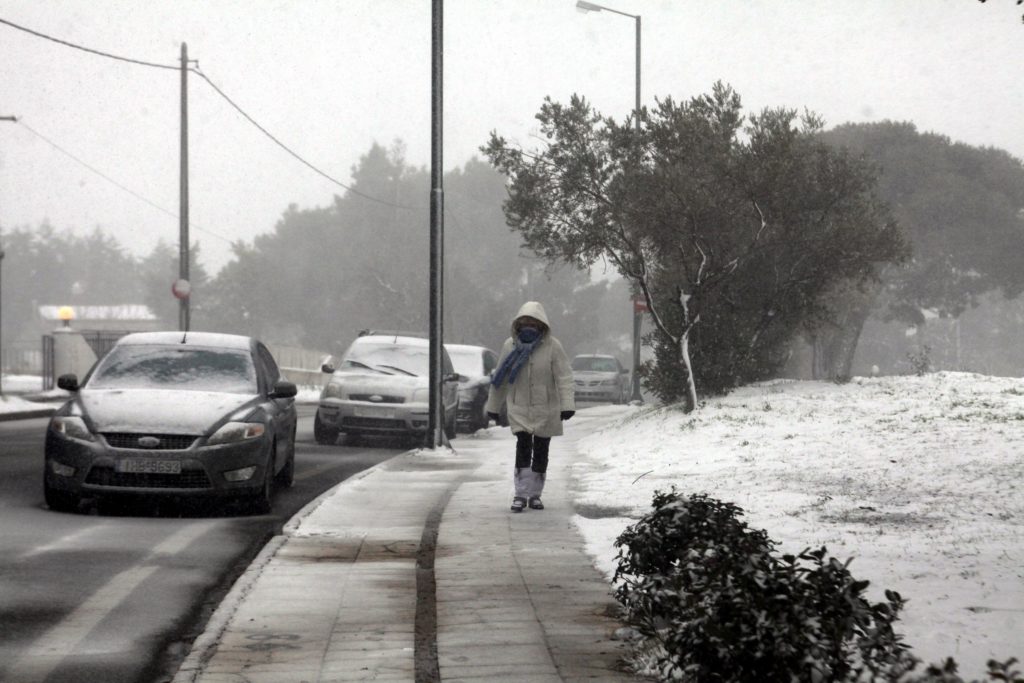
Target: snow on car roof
207	339
593	355
465	347
392	339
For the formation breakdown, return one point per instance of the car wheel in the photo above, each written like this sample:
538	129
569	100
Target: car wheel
322	434
503	418
261	501
60	501
286	477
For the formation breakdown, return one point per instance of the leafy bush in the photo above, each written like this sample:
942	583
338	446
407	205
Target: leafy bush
920	361
723	607
712	601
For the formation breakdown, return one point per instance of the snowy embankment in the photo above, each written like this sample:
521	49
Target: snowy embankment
919	479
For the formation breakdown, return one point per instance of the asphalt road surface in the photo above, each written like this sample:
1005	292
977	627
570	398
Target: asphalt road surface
117	592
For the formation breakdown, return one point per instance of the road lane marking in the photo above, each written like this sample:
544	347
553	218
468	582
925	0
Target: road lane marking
65	540
62	640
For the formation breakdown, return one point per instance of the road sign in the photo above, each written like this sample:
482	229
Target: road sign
640	303
181	289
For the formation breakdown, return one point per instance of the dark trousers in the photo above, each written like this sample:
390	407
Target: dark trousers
532	452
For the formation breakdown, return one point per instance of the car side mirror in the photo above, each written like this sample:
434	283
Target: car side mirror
68	382
453	377
284	389
327	368
625	371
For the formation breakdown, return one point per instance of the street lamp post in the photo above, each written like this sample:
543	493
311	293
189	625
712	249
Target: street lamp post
637	314
12	119
1	323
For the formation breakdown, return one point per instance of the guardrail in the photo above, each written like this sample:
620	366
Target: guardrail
301	366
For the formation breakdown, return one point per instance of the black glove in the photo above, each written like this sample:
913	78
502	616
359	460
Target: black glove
494	416
566	414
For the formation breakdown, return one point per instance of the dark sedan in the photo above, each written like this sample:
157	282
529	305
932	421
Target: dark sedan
474	365
172	413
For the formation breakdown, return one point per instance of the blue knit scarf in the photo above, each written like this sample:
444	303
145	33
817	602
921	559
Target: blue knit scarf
523	345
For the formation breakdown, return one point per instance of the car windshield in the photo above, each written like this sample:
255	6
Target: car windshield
469	362
388	357
147	366
592	364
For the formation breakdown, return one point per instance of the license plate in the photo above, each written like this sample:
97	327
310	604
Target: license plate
142	466
374	411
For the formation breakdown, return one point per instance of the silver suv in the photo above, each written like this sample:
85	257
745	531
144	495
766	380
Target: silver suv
382	386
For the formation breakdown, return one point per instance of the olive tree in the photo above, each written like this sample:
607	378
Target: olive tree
730	226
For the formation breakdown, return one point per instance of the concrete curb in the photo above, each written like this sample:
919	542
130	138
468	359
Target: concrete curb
206	644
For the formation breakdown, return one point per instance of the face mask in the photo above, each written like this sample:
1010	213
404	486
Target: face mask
528	334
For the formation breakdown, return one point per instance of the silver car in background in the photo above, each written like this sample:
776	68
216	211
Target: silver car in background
600	377
382	387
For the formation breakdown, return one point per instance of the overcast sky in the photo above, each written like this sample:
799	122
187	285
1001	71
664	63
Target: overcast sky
331	78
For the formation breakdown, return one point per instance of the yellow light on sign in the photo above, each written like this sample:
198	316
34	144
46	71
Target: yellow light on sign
65	313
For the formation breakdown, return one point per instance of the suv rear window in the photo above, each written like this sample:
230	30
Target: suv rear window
592	364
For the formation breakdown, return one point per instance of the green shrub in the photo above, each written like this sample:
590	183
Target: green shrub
712	601
723	607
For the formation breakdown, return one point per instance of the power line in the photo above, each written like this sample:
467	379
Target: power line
87	49
114	182
226	98
295	154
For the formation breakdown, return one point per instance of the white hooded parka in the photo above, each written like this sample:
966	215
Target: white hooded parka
543	387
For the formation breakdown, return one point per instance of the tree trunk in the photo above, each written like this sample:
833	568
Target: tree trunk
835	344
691	385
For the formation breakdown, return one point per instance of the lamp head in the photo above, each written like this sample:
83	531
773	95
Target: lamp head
584	6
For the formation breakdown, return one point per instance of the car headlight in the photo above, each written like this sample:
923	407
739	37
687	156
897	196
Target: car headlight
72	428
333	390
467	394
609	382
233	432
421	395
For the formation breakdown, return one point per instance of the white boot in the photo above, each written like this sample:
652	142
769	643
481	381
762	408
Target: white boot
536	488
522	481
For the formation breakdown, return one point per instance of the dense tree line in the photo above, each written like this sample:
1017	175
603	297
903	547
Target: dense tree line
961	209
325	273
745	232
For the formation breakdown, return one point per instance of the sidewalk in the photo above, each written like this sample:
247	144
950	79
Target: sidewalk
417	570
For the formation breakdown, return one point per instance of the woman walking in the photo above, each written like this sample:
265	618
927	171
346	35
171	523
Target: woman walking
535	380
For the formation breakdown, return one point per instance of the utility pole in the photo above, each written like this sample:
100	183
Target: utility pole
638	307
183	301
435	423
12	119
638	316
